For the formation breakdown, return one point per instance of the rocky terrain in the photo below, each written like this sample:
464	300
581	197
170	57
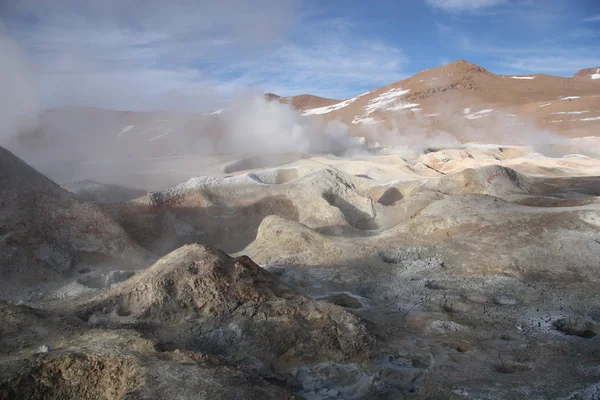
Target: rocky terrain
388	249
467	272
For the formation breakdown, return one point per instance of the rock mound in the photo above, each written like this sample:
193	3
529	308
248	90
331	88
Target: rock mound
81	361
233	307
494	180
71	376
437	159
297	243
45	232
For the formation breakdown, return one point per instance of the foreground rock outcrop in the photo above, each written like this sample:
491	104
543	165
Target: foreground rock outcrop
466	273
199	298
79	361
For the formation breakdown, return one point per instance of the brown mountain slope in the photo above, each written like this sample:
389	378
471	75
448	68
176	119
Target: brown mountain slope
302	101
588	73
461	97
308	101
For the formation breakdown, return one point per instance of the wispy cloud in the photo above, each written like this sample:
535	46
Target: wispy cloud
334	68
135	56
542	57
463	5
552	64
594	18
583	33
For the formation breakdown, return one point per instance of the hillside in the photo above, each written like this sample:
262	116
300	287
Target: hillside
462	96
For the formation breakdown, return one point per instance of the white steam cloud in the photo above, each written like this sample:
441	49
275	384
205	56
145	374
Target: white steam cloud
19	97
257	125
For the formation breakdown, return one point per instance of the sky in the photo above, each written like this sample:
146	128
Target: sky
196	55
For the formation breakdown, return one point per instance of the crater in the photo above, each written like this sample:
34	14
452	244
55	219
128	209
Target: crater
390	197
343	300
355	217
103	281
275	176
576	326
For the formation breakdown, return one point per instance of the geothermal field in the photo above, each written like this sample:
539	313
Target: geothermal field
458	272
434	238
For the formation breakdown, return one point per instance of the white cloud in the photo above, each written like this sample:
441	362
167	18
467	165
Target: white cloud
595	18
191	54
334	68
138	56
19	99
463	5
583	33
550	59
561	64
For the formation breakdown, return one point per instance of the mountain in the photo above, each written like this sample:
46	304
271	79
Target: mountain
460	96
588	73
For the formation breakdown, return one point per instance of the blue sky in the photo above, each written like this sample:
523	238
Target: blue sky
184	54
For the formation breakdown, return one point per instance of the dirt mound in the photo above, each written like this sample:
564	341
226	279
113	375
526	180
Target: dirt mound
96	192
297	242
83	361
437	159
69	376
234	307
45	232
494	180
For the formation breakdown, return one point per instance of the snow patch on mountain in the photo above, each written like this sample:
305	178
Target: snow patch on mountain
402	106
328	109
126	129
364	120
385	99
333	107
159	136
571	112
